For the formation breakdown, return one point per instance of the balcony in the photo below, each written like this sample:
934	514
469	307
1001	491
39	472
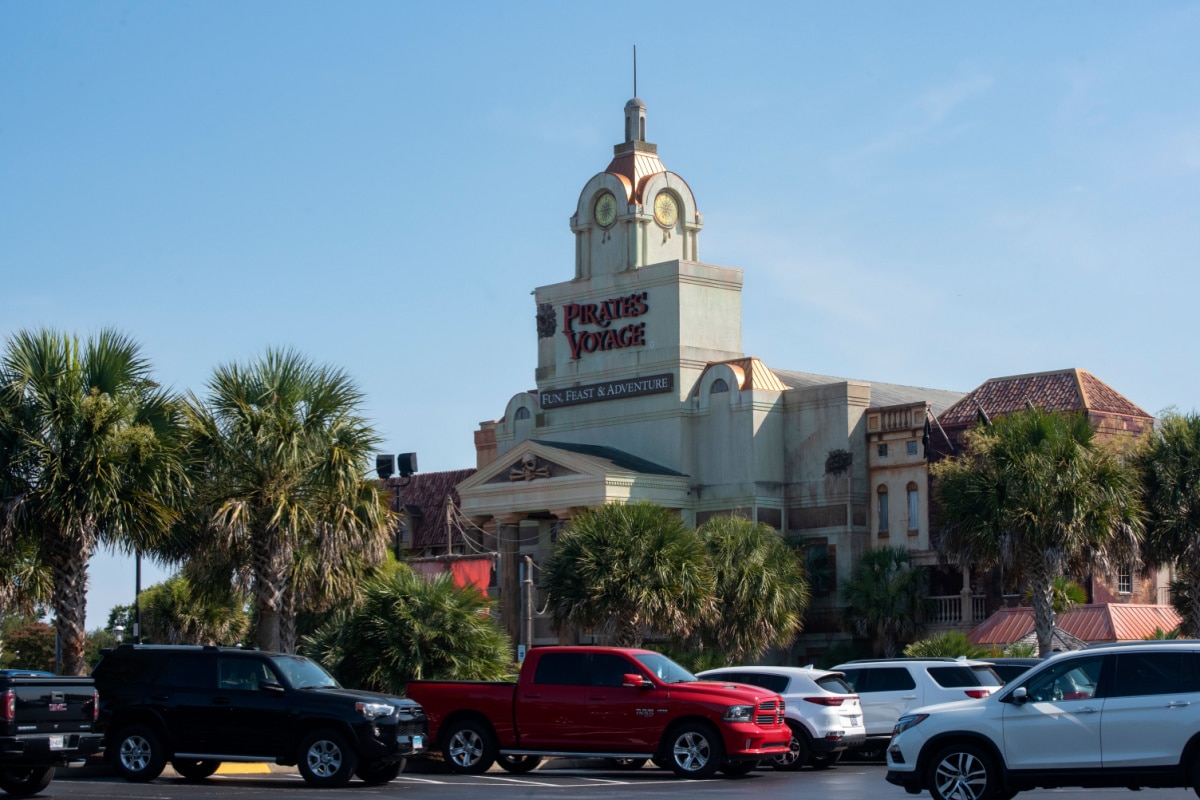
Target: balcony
957	610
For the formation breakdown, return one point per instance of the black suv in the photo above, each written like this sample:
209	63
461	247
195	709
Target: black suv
199	706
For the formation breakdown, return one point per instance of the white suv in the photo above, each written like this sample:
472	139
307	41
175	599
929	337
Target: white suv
822	711
1113	715
889	687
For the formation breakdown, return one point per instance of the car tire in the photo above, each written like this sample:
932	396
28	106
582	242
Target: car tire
138	754
824	760
469	747
695	750
376	773
24	781
962	772
738	769
799	752
625	763
326	760
193	769
519	765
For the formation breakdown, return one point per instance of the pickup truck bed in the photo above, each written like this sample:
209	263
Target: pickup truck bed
45	721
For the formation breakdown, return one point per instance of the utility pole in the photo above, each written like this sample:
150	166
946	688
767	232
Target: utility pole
527	632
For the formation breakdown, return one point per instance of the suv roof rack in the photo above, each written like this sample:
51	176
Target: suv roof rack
1144	642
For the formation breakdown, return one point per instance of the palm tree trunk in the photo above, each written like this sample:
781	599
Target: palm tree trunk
1041	585
1194	588
68	558
272	558
287	620
629	631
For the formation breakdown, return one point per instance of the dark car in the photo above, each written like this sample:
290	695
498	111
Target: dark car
199	706
1009	668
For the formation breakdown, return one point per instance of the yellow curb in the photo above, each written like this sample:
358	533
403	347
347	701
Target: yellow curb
235	768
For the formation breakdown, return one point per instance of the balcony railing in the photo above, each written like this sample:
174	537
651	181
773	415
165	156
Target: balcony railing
948	609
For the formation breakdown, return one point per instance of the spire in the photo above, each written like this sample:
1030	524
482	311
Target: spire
635	159
635	121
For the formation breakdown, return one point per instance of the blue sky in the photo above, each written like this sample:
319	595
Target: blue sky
923	193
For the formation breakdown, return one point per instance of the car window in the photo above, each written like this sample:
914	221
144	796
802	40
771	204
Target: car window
188	670
1073	679
853	679
121	669
835	684
608	669
301	673
561	669
763	680
889	679
666	669
954	676
245	674
1155	673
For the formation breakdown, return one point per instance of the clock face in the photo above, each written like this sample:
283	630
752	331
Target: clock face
666	210
606	210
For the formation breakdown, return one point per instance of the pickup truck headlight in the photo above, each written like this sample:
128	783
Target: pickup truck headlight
738	714
908	721
373	710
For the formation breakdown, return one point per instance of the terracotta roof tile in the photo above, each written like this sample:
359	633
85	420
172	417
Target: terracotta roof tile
1069	390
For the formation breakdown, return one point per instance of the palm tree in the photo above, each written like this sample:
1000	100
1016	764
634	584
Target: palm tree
619	569
174	612
1170	470
281	469
885	598
90	457
1035	493
409	628
761	589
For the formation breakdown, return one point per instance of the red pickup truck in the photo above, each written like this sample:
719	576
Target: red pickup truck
603	702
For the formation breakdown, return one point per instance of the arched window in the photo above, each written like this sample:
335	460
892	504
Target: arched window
914	508
718	386
882	510
521	413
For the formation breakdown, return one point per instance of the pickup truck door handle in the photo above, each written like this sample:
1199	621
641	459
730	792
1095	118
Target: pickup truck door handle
1087	710
908	697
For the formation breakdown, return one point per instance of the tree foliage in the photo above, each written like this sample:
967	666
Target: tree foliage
760	588
620	569
950	644
173	612
1170	470
886	598
89	455
1035	493
280	461
409	628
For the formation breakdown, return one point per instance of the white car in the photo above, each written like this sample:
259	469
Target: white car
822	711
1112	715
890	687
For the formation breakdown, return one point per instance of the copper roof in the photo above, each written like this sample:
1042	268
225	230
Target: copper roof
1070	390
752	374
1100	622
424	498
635	162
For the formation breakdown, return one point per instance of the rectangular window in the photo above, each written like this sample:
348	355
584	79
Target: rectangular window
914	519
882	450
912	448
1125	580
883	513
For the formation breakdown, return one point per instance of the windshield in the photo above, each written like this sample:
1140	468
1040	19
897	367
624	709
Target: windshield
302	673
666	669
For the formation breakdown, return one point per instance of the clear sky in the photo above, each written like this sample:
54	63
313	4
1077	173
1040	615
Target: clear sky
928	193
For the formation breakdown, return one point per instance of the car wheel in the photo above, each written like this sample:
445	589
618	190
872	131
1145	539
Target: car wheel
625	763
798	752
24	781
519	765
962	772
377	773
469	747
824	760
695	750
736	769
139	754
191	769
326	760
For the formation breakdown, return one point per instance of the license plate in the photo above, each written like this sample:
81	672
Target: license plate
58	743
418	742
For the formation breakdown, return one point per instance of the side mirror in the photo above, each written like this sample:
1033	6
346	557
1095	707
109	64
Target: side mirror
634	681
271	686
1019	695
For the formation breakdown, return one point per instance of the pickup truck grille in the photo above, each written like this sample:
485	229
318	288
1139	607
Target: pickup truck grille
770	712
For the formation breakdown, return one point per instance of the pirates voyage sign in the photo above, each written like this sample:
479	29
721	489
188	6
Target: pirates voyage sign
609	390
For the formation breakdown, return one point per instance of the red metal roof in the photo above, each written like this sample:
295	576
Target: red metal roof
1102	622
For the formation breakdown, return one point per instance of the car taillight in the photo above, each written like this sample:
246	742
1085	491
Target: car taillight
8	705
826	701
977	693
